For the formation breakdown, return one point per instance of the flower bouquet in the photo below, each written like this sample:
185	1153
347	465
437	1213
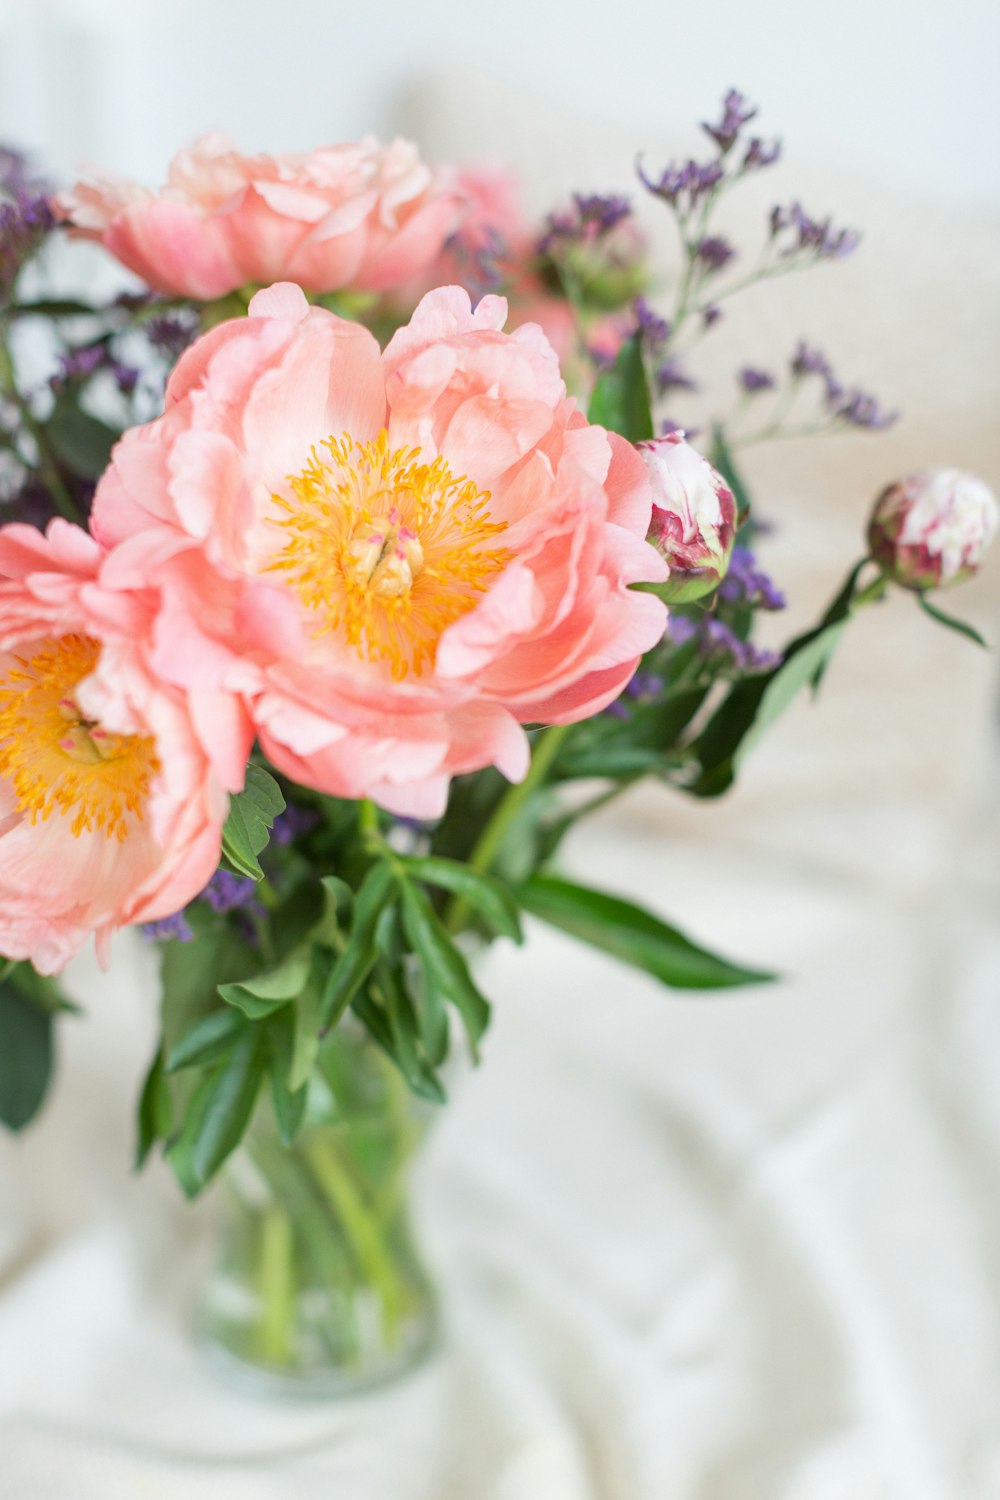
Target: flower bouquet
352	556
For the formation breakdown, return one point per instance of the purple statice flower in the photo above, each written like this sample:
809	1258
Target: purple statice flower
171	333
78	364
752	380
655	330
602	210
818	236
668	425
760	154
714	252
643	686
177	927
859	409
227	891
671	376
810	361
295	820
126	377
737	111
710	315
683	185
24	221
617	710
719	643
745	583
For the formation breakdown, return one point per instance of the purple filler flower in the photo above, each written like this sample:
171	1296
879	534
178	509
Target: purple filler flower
736	112
177	927
714	252
745	583
752	380
227	891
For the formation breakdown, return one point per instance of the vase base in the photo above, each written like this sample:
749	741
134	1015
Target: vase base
244	1372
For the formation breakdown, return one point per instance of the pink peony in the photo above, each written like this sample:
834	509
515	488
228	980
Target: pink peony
398	558
111	801
358	217
932	528
694	517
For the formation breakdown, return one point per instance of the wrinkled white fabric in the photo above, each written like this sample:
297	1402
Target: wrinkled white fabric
740	1247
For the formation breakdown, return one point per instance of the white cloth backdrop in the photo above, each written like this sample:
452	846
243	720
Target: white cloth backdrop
740	1248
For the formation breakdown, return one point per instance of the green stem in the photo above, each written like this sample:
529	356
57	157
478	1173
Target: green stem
47	466
361	1232
277	1287
546	748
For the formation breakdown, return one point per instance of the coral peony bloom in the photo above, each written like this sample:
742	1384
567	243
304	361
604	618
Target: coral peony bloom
397	558
111	804
694	517
932	528
358	217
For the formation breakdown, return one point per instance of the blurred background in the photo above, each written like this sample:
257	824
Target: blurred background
739	1249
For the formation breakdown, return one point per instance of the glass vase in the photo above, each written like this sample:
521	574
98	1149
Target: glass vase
318	1287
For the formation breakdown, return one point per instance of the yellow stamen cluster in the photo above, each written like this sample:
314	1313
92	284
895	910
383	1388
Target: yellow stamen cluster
387	550
58	761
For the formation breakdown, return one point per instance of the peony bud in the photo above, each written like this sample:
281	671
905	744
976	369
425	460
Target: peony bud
933	528
694	518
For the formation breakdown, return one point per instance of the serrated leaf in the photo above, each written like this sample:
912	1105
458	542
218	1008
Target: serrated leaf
620	399
251	817
26	1055
205	1040
494	901
442	964
217	1114
634	935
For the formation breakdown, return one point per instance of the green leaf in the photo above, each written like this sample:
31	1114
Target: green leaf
264	993
357	960
395	1035
632	934
155	1110
289	1104
26	1054
205	1040
308	1024
251	816
81	442
494	900
805	667
620	400
441	963
217	1115
960	625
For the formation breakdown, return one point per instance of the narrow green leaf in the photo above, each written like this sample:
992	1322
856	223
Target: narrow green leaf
805	667
442	965
289	1105
960	626
308	1025
155	1110
620	400
395	1040
205	1040
26	1055
494	900
632	934
217	1115
251	816
357	960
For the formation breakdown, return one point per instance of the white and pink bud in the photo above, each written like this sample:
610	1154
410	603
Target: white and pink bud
933	528
694	518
